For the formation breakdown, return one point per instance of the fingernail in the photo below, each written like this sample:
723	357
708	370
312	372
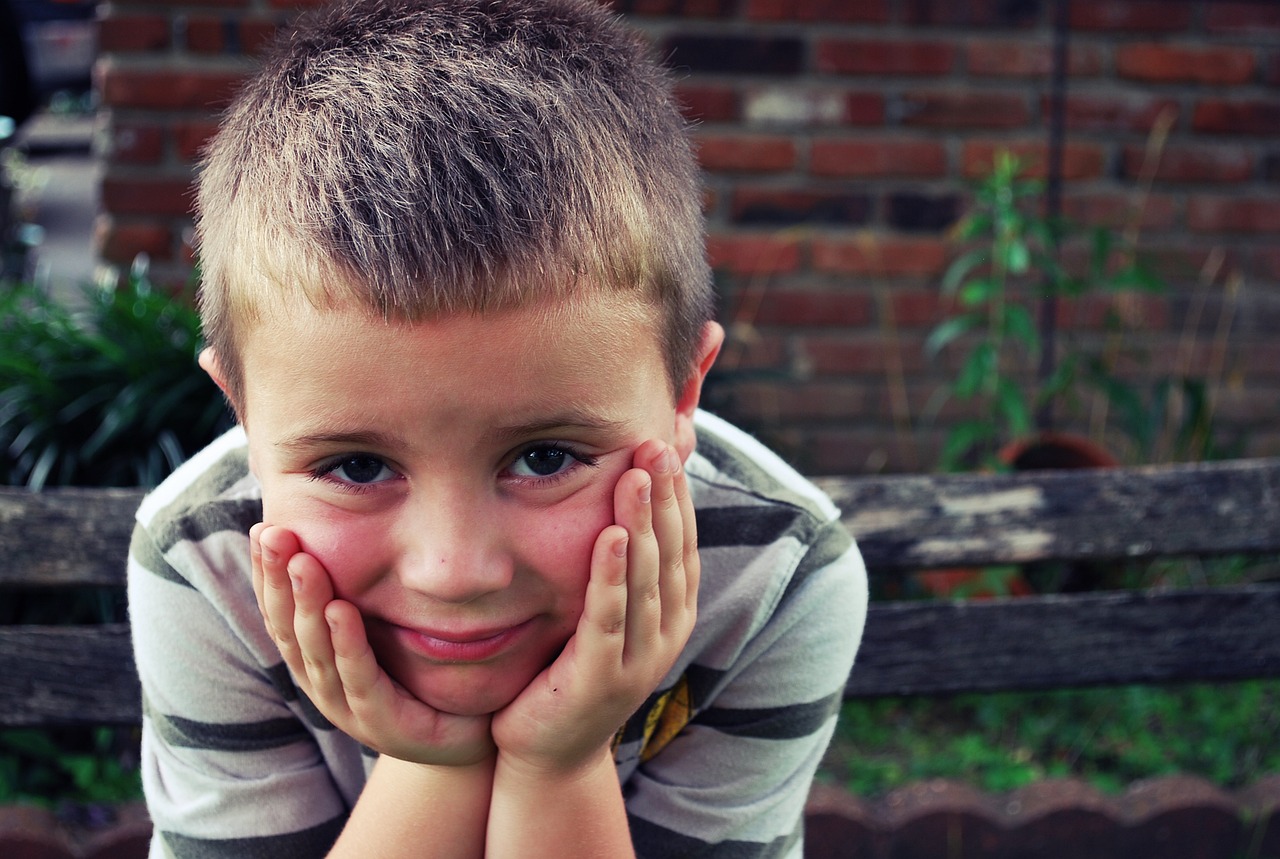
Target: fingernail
662	464
620	547
295	581
673	460
646	489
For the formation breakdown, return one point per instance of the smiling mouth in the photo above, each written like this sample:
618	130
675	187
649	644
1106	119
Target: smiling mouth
461	646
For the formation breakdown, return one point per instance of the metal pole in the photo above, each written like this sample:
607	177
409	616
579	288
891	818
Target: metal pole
1053	196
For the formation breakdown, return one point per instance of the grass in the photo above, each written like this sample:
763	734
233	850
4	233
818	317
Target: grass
1109	737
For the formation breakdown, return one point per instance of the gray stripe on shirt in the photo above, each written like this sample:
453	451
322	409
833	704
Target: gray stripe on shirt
316	841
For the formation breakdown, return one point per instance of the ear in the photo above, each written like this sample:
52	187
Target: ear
211	363
687	401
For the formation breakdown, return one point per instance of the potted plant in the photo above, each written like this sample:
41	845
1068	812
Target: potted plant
1009	268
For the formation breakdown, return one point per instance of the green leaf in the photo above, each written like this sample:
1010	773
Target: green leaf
948	331
961	268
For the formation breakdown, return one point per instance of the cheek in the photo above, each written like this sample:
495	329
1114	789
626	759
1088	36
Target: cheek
560	547
344	545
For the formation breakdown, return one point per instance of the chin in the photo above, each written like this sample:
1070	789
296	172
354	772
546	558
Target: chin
469	702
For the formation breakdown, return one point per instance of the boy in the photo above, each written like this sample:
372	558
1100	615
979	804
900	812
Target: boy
444	591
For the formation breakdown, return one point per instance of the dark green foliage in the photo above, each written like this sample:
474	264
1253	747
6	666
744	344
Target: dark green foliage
106	396
1110	737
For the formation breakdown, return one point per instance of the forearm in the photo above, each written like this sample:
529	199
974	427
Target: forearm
409	809
571	815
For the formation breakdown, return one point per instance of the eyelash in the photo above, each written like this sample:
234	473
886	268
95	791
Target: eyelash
324	471
579	459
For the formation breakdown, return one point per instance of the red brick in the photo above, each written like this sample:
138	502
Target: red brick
191	137
166	88
683	8
844	11
708	103
917	307
136	143
133	33
863	158
1248	18
256	35
868	108
724	154
1079	160
1116	210
1016	59
1159	63
1206	214
1124	112
121	241
1193	163
753	254
147	195
877	57
814	400
965	109
1243	116
1157	16
880	255
207	35
813	308
851	354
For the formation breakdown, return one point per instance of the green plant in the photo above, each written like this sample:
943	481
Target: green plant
1106	736
108	395
1011	266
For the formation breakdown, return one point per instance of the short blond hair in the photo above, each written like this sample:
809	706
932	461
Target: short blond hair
424	157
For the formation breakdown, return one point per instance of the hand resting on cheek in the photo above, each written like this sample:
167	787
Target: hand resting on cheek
639	610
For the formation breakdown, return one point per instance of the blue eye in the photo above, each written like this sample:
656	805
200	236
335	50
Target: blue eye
356	469
546	461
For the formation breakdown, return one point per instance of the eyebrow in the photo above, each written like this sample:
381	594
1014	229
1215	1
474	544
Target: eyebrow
357	439
564	420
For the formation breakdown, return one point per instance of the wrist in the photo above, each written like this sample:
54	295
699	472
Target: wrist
514	769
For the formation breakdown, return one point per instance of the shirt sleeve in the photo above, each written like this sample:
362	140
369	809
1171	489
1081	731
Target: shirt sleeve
733	782
233	761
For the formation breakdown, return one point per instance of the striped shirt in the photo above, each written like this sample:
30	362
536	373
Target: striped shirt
717	763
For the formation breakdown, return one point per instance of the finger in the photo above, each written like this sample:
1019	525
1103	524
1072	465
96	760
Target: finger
692	561
255	563
312	591
633	505
601	633
276	599
669	529
358	670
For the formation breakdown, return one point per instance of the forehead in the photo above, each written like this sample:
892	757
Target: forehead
342	364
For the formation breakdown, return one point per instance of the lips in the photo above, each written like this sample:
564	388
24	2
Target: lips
461	645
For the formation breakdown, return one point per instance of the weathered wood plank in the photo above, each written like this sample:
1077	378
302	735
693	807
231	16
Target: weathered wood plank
1062	641
65	537
78	675
68	675
80	536
918	522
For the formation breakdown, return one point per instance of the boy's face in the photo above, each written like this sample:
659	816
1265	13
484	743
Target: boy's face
452	475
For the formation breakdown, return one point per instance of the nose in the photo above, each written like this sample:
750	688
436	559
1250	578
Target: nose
452	548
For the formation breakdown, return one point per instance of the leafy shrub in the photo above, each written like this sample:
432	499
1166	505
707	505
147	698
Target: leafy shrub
108	395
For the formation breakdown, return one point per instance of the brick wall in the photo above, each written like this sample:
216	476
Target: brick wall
837	138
